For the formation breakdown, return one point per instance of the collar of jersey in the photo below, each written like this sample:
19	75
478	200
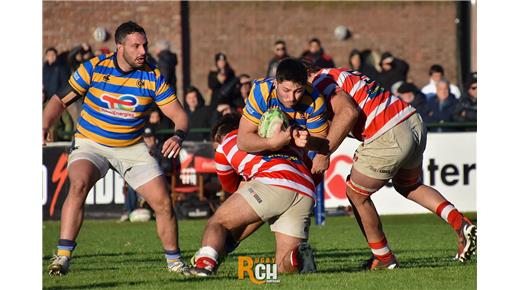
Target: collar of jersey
116	65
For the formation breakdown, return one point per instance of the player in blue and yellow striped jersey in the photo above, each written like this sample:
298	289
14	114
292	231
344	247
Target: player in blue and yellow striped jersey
119	89
303	104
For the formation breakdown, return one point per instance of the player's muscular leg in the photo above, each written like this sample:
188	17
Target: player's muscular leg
284	245
407	182
156	194
83	174
358	191
232	215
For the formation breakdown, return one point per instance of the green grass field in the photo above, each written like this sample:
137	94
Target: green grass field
129	256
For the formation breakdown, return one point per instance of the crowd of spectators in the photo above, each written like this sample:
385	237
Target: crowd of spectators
438	101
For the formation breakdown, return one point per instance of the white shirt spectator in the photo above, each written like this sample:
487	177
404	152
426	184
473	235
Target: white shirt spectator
429	90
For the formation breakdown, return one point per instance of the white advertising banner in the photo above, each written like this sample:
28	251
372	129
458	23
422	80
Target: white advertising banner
449	165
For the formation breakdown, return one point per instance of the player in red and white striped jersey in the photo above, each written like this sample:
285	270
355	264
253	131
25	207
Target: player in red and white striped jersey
277	188
394	139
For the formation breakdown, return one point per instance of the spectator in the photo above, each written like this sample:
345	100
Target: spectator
79	54
393	70
198	114
280	52
166	62
158	122
232	94
358	62
371	60
315	54
409	93
245	88
466	110
440	109
219	77
221	110
55	75
155	147
436	74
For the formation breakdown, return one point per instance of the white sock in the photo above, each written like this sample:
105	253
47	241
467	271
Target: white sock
209	252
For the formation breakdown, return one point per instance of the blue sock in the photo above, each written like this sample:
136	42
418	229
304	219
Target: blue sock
172	256
65	247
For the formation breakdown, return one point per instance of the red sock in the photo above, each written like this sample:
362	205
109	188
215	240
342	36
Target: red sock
381	250
450	214
294	258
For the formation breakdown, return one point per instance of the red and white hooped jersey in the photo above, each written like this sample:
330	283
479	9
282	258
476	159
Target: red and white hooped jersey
379	110
279	168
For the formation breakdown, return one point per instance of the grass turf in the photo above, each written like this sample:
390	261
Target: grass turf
129	256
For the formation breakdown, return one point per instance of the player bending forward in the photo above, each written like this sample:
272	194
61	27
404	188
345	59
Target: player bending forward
278	189
393	140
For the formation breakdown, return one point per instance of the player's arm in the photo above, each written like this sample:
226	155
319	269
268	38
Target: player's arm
228	177
249	141
174	111
345	117
55	107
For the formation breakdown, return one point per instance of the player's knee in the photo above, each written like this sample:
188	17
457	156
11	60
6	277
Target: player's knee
163	207
405	187
78	187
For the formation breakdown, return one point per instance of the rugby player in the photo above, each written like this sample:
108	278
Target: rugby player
119	88
277	188
393	140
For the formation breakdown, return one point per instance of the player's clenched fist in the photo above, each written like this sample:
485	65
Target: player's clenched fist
300	137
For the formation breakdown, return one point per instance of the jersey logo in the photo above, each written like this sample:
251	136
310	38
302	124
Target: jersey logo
106	78
140	83
124	102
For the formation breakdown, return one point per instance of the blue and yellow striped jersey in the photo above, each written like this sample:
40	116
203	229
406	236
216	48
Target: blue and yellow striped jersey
310	112
116	102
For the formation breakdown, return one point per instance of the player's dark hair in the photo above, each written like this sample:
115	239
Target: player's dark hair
311	67
125	29
292	70
436	68
226	124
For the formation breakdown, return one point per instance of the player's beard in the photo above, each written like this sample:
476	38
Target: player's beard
132	61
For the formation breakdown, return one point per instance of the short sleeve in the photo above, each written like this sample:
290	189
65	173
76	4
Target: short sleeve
317	121
80	80
256	102
164	94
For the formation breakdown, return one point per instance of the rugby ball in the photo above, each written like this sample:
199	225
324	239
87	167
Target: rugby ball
140	215
269	119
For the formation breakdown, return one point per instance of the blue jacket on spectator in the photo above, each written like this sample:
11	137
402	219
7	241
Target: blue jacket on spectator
440	112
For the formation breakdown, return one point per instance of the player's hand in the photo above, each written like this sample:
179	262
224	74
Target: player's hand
320	163
172	147
280	138
300	137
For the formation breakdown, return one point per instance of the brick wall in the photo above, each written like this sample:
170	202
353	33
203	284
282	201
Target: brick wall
422	33
68	24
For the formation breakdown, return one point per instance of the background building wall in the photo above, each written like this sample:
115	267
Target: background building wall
422	33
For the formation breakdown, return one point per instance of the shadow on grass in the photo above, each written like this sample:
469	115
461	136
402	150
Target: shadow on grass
177	279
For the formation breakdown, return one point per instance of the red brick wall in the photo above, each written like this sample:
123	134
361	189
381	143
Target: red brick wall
68	24
422	33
